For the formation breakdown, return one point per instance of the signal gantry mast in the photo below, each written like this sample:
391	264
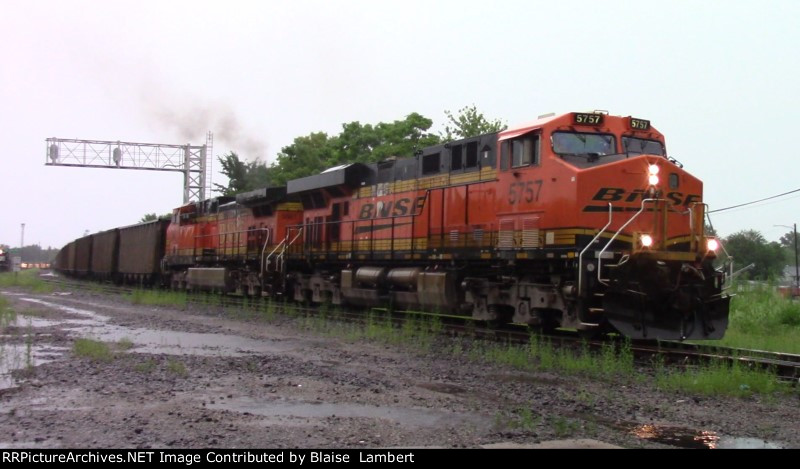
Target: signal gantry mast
193	161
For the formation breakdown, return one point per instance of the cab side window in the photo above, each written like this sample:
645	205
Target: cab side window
525	151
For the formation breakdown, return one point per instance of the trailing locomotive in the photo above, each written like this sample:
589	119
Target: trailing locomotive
5	260
578	220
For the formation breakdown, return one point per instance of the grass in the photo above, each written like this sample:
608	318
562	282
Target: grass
27	279
720	379
7	315
522	418
541	354
762	319
564	427
93	349
158	298
147	366
177	367
124	344
417	331
100	351
614	363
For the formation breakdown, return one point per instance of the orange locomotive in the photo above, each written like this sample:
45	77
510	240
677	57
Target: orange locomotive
224	243
578	220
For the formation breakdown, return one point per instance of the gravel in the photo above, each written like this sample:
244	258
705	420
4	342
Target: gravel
203	378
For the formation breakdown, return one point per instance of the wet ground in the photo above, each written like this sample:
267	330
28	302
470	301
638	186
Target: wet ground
201	378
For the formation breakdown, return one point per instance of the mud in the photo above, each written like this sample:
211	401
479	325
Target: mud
203	377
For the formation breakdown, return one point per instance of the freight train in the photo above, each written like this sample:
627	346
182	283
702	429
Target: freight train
578	220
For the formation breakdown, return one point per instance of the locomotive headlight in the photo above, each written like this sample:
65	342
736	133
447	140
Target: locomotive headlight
652	174
646	240
712	244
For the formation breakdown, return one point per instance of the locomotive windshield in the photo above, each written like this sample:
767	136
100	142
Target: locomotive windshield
583	144
642	146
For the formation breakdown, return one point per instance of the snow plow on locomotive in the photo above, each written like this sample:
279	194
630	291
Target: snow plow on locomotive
578	220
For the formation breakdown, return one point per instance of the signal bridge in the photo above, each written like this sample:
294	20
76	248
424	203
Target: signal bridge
193	161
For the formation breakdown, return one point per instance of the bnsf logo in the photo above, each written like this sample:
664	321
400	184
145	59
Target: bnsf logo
614	194
390	208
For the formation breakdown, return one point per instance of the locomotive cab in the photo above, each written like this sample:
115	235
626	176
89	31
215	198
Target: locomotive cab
644	262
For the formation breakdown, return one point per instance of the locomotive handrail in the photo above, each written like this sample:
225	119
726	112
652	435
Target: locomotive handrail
264	262
264	249
279	260
602	251
580	256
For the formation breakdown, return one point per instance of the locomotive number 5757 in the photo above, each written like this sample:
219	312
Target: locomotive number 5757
524	190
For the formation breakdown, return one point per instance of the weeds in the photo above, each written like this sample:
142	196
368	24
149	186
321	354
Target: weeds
27	279
94	350
540	354
564	427
124	344
147	366
7	315
158	298
762	319
718	378
177	367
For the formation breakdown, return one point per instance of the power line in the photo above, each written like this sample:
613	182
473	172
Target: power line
753	202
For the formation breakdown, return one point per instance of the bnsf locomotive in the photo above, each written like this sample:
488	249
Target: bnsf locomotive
5	261
577	220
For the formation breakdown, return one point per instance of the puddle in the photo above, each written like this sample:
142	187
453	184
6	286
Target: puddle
413	418
96	326
91	315
697	439
21	356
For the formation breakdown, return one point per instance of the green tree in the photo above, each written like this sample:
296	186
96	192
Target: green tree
242	176
750	247
148	217
307	155
368	144
356	143
469	123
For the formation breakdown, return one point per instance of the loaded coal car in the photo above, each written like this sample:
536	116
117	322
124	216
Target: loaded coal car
82	266
65	259
105	248
141	248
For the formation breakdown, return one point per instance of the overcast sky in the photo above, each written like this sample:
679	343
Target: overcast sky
721	80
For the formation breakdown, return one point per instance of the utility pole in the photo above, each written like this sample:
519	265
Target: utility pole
22	240
796	264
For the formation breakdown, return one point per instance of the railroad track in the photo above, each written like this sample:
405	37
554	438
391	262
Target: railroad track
786	366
